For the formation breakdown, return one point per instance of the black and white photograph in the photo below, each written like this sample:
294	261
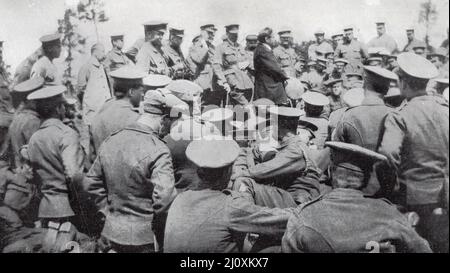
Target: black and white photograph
234	127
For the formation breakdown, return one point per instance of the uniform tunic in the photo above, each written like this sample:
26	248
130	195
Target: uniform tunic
385	41
115	59
152	60
346	221
354	52
176	61
45	69
131	181
57	158
287	59
210	221
415	140
322	47
199	61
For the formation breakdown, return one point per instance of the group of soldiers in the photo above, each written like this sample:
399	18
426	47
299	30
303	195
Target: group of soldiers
157	152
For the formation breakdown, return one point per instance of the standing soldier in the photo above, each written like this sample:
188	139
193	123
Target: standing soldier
229	65
319	46
132	180
315	104
150	58
412	41
362	125
352	50
175	57
93	85
383	39
118	112
115	59
363	219
57	158
415	141
251	43
200	59
44	67
285	54
338	39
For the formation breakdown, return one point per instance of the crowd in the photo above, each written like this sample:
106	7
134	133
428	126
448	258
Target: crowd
229	148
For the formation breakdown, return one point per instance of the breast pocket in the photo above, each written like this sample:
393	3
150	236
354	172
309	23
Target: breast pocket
230	57
285	60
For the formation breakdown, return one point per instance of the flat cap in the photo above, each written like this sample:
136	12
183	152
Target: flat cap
251	37
128	73
209	27
29	85
286	112
285	33
380	72
294	88
374	59
305	123
184	90
117	36
354	74
419	44
353	157
353	97
176	32
232	28
217	114
321	61
50	38
315	98
156	81
380	23
416	66
319	32
348	27
155	25
337	35
161	102
332	81
344	61
212	154
47	92
311	63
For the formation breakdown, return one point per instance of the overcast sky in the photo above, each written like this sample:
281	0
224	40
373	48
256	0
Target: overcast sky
24	21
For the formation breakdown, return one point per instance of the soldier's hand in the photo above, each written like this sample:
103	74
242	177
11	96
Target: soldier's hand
25	170
227	87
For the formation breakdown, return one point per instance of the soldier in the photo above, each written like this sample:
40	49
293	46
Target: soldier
213	219
150	58
352	50
353	80
57	158
251	43
338	39
115	59
440	60
421	124
93	84
375	61
338	70
132	180
6	116
335	96
383	39
319	46
23	70
316	76
315	104
392	62
369	222
229	66
285	54
412	41
199	60
44	67
183	132
172	49
120	111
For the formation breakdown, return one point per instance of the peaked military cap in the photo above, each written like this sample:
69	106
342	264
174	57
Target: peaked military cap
315	98
29	85
47	92
212	154
416	66
184	90
156	81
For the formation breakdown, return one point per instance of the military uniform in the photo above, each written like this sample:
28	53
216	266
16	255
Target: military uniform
287	58
354	52
411	44
115	59
44	67
152	60
385	41
176	60
322	47
318	101
226	63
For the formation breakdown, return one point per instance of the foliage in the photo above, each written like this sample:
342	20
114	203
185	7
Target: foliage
428	15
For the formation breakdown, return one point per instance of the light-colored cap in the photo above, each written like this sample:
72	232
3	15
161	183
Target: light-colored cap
380	72
315	98
185	90
128	73
416	66
353	97
161	102
217	114
294	88
156	81
29	85
286	112
50	38
47	92
212	154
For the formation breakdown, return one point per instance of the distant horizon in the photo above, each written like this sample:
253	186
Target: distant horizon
39	17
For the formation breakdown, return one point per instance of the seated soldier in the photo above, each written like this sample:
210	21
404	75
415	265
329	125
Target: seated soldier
290	176
344	220
211	219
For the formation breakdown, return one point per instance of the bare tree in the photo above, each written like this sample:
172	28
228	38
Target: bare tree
428	16
93	11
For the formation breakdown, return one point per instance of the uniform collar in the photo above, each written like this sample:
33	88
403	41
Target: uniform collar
95	62
288	140
117	51
345	193
371	100
51	122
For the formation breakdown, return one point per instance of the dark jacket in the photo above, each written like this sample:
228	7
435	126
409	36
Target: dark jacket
346	221
269	77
